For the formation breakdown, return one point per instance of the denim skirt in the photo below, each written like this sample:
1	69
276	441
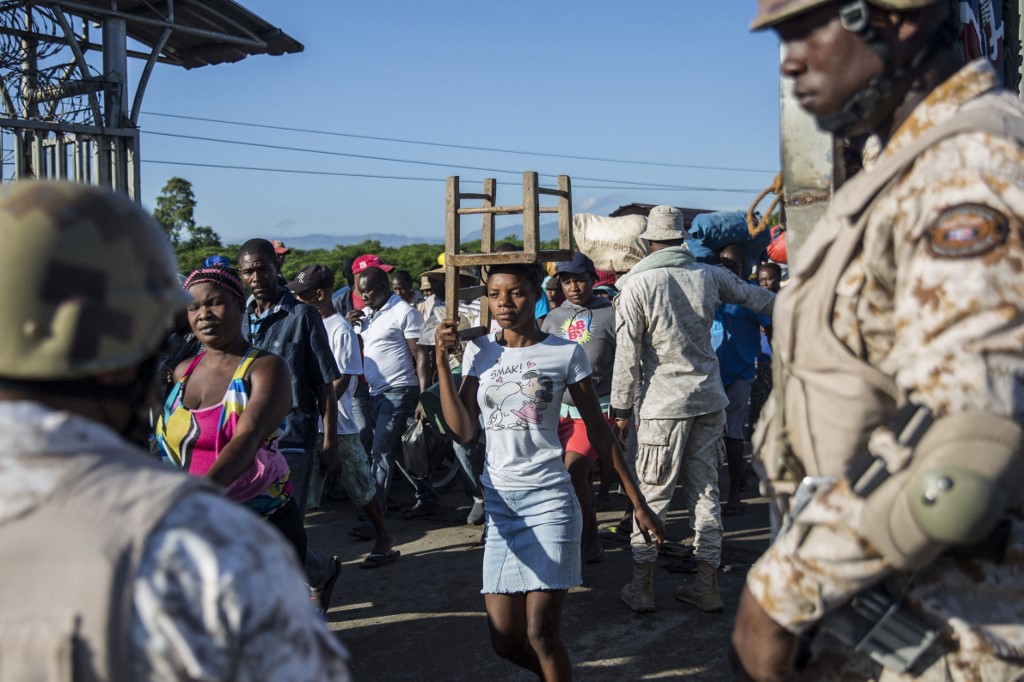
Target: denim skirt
533	540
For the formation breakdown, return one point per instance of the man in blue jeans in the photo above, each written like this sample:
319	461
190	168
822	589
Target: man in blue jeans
397	372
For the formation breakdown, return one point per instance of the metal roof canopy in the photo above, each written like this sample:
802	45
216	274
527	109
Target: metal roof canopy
98	142
202	32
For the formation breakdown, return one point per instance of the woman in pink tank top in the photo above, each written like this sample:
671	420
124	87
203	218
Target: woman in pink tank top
222	416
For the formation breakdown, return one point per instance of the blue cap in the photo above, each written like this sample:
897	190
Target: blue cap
216	259
577	266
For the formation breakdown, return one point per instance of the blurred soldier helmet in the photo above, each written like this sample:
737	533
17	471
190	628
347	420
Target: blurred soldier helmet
90	282
772	12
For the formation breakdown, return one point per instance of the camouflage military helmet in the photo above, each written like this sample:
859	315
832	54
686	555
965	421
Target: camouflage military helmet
772	12
90	282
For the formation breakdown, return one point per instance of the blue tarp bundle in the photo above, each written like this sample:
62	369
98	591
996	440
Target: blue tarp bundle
714	231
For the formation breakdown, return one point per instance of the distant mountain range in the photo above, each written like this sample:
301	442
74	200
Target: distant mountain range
309	242
325	241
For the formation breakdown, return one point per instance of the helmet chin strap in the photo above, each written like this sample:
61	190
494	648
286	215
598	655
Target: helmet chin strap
855	16
140	421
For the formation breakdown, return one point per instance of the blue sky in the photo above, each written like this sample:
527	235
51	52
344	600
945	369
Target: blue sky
666	81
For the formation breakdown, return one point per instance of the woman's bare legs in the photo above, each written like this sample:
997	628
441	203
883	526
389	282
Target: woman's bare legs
580	470
526	629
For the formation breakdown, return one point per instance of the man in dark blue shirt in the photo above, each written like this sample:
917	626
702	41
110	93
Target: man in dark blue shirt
737	356
277	323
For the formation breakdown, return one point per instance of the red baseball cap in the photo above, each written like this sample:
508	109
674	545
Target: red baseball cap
369	260
279	247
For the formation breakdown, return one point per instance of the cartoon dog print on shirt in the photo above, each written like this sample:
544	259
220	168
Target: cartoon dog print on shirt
517	399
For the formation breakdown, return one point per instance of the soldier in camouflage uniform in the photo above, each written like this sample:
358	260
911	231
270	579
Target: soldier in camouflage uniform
892	445
114	567
664	362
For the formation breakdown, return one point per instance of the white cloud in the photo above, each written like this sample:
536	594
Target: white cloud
592	203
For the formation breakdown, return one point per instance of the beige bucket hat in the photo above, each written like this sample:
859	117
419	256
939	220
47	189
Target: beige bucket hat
665	224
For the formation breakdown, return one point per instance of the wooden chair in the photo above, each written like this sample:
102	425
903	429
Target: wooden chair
531	253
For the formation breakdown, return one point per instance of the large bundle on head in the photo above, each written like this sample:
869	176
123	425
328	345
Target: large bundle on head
712	232
613	244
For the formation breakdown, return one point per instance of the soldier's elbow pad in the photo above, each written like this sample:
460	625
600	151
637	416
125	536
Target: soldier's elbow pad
965	473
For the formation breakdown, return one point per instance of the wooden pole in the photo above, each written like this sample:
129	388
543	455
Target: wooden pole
531	214
452	242
487	242
564	213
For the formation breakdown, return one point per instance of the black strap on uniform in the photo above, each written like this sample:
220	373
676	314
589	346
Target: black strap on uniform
867	471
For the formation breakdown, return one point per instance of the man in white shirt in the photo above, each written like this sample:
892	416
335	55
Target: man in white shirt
313	286
398	371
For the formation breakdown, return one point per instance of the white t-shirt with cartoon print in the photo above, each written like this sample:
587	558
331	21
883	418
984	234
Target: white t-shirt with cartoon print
520	397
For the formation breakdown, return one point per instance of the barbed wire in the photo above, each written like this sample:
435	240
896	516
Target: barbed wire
53	60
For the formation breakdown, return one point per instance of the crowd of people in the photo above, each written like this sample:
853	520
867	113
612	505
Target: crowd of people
546	398
172	471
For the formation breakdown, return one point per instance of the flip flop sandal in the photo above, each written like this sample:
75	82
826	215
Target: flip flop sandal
377	560
362	532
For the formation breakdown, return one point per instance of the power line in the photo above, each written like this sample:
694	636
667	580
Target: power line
624	183
333	133
302	171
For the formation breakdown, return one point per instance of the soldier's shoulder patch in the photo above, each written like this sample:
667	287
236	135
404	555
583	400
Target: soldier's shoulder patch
967	230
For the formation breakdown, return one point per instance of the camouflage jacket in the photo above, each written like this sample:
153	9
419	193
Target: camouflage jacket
218	594
663	355
934	300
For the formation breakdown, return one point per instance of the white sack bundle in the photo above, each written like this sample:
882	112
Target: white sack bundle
613	244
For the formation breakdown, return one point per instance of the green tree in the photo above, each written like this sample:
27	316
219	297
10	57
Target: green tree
175	211
416	258
202	236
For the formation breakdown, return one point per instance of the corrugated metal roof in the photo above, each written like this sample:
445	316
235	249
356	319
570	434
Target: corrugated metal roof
203	32
643	209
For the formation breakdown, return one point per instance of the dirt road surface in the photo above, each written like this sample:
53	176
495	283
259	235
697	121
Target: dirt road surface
422	617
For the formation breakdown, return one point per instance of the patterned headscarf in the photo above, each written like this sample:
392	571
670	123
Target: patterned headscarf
219	275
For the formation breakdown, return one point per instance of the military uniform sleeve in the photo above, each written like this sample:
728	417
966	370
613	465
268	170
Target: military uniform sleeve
630	326
219	595
734	290
818	564
959	296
